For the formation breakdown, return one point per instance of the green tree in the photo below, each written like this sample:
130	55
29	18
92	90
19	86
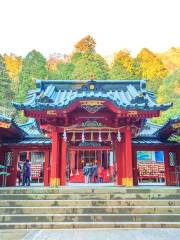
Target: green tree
63	71
87	63
152	68
89	66
124	67
6	94
169	91
33	67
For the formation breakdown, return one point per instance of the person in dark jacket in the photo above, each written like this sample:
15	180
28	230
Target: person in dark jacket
90	172
86	173
26	173
95	172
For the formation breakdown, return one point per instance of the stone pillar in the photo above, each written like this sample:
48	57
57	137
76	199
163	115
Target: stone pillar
55	163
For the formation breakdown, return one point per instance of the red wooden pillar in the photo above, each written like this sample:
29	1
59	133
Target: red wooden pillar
128	180
167	169
135	168
72	159
63	162
46	168
55	163
28	155
11	179
119	161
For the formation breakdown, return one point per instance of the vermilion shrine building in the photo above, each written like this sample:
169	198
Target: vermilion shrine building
75	122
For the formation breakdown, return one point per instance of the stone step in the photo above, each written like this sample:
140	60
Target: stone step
95	202
88	225
88	196
89	218
108	190
92	210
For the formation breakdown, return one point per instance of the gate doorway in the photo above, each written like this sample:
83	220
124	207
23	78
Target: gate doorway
77	159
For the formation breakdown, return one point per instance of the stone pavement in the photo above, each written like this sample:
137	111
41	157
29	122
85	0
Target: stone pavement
92	234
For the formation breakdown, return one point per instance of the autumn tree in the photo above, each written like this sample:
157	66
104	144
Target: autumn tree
6	94
87	63
86	44
13	65
124	66
152	68
170	58
33	67
169	91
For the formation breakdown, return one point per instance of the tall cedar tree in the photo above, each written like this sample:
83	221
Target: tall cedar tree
6	94
33	67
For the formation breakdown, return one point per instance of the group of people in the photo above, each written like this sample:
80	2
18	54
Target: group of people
93	173
24	173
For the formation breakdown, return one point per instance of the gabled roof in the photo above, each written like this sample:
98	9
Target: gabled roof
9	129
31	128
4	118
33	135
152	134
172	126
58	94
149	129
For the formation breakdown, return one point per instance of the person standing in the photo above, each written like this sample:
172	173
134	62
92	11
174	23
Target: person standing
86	173
24	173
100	174
19	173
90	172
28	173
95	172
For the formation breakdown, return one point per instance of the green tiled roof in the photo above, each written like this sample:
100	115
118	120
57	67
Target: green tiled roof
58	94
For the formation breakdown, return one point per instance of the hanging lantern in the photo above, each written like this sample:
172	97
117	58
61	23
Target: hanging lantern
65	136
83	137
109	137
119	136
99	138
91	136
73	137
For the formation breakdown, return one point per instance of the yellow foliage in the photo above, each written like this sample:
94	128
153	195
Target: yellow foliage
86	44
13	65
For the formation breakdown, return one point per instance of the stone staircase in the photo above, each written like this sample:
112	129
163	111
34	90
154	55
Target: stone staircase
106	207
